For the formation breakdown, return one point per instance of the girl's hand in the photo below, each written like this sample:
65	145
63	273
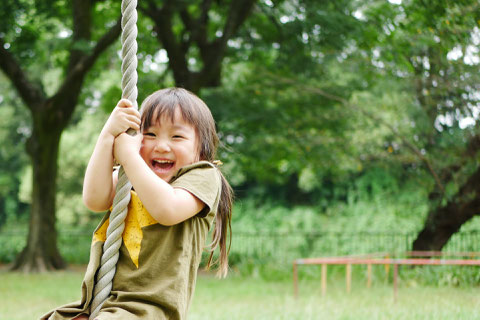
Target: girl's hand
125	146
122	118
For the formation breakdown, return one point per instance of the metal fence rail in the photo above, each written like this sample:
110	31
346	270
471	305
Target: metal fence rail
278	247
284	247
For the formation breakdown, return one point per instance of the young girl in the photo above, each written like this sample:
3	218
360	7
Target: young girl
178	192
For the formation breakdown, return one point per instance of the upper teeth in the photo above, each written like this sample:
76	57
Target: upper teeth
163	161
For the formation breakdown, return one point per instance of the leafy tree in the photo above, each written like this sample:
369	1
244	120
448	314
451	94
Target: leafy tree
50	84
195	35
46	50
312	92
283	138
432	47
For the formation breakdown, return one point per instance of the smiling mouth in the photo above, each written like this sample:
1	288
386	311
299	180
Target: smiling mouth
162	165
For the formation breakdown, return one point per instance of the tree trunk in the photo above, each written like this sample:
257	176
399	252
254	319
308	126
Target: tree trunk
41	252
443	222
50	117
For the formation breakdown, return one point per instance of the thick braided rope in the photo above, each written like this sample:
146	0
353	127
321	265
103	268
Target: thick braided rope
108	262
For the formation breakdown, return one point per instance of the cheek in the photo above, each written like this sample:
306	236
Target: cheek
143	151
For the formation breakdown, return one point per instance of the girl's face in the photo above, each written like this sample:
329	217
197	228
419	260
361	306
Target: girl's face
169	145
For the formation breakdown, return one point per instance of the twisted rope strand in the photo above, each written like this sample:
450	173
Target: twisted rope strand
129	51
108	262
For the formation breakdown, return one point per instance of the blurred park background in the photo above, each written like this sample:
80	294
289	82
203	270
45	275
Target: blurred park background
347	126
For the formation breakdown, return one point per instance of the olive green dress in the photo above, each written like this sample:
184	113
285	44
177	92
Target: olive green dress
157	268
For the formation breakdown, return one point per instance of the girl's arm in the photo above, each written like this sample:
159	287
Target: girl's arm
165	204
99	183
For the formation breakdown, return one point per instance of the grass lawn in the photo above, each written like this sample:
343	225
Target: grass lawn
25	296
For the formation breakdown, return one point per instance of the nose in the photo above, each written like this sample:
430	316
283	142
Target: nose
162	146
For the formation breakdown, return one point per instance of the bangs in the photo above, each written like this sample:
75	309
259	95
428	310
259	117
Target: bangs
162	105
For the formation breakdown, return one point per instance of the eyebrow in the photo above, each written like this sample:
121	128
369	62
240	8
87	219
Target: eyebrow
178	126
175	127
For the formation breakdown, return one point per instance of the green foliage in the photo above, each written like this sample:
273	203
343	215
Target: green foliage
454	276
12	245
73	159
428	47
328	112
14	127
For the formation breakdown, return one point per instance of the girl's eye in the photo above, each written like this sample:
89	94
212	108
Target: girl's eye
177	136
149	134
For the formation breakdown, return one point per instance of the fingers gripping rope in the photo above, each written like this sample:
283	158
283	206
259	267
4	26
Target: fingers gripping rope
106	272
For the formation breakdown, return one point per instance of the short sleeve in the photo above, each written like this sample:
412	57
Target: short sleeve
203	181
